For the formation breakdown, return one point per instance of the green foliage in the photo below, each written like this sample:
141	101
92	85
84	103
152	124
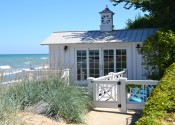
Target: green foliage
161	103
69	102
141	22
163	11
144	5
158	53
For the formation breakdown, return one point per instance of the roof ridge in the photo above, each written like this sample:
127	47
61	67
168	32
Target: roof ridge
103	31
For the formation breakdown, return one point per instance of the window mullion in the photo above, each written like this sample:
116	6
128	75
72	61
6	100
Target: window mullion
87	62
115	62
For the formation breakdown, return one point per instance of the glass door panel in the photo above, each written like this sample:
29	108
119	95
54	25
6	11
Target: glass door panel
94	63
108	61
81	65
120	59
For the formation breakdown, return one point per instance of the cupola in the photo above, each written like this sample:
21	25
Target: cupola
106	19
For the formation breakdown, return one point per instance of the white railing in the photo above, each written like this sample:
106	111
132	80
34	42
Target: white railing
115	91
9	78
135	93
110	77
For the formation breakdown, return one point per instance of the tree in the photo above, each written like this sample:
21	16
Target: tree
158	53
141	22
163	11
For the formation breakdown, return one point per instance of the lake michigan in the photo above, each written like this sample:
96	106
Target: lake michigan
22	61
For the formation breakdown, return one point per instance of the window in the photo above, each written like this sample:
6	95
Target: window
88	62
114	60
81	65
94	63
120	59
108	61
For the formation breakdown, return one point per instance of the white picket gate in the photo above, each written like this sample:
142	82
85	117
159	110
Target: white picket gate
115	91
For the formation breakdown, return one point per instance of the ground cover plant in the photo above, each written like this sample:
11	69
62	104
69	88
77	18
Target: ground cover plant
66	101
160	108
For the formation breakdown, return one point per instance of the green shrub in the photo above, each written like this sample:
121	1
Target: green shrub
158	53
68	102
161	103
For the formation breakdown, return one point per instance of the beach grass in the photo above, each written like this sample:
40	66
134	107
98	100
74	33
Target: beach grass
65	101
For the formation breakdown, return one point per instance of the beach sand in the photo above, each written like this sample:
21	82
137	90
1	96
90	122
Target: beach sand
98	116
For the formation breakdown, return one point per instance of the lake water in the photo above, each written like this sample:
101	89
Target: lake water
18	62
11	64
22	61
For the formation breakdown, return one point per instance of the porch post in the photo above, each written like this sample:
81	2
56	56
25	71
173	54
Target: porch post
123	95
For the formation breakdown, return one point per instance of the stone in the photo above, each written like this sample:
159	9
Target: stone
39	108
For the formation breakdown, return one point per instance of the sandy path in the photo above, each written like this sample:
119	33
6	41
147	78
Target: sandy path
27	118
96	117
110	117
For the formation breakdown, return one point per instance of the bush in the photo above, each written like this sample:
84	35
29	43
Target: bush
158	53
69	102
161	103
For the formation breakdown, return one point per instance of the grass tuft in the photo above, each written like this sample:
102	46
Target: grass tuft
68	102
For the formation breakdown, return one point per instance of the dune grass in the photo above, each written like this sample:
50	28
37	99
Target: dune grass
68	102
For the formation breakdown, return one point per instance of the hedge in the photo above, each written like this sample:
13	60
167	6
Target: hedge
160	107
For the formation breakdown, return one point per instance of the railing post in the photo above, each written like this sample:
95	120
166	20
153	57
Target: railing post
123	95
23	73
66	71
90	84
112	75
31	76
126	73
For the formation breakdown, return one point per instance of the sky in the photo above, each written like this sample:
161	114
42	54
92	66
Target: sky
24	24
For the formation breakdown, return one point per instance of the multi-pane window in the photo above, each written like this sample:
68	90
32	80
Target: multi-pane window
81	65
108	61
120	59
94	63
88	62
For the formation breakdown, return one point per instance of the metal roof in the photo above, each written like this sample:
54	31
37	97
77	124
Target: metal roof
131	35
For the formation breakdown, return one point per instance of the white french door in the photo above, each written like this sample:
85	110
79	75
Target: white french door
88	64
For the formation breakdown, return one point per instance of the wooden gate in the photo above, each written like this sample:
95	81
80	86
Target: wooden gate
106	94
115	91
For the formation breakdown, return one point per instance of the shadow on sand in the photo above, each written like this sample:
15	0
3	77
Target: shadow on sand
133	115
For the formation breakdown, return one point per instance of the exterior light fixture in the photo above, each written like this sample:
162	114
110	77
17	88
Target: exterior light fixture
65	48
138	47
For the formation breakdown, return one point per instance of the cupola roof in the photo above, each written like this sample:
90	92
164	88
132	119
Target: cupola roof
106	10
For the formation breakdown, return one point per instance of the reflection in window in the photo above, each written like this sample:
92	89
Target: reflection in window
94	63
120	59
81	65
108	61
